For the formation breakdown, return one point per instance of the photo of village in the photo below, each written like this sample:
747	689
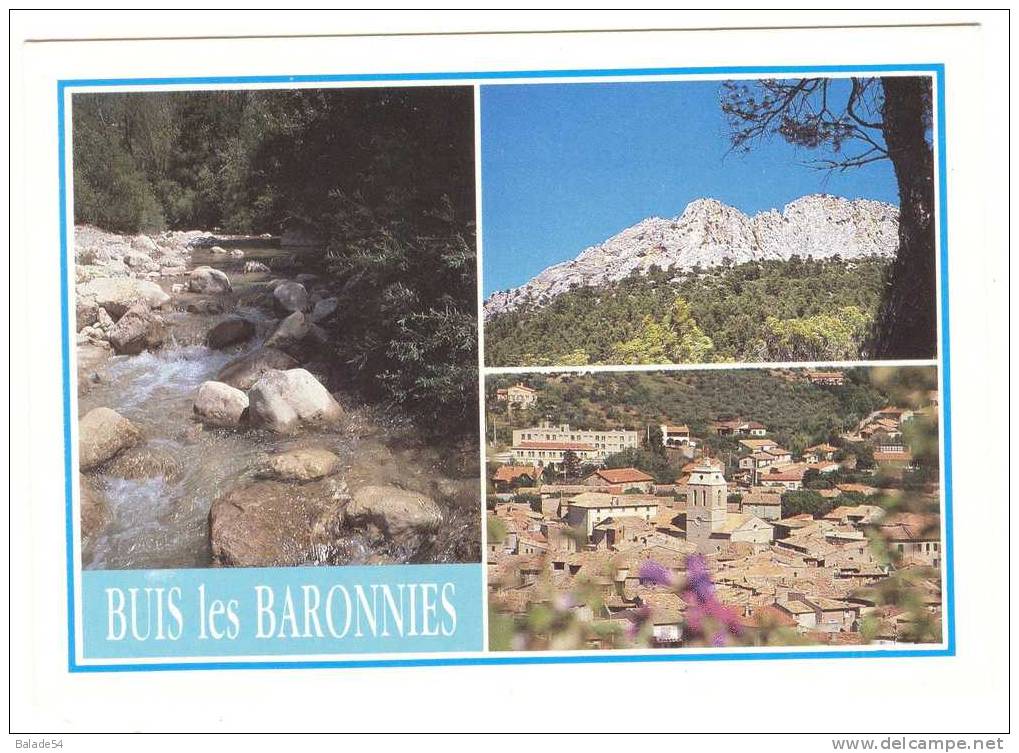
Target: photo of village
746	507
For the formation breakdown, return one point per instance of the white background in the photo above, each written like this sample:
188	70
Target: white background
964	694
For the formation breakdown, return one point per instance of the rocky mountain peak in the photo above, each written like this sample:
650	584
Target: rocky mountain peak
709	233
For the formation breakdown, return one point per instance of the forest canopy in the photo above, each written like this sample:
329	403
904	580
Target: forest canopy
794	310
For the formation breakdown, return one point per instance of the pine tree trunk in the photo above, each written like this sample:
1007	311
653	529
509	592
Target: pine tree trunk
906	326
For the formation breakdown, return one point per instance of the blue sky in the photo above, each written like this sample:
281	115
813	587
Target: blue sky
565	166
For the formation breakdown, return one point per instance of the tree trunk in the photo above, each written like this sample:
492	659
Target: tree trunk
906	326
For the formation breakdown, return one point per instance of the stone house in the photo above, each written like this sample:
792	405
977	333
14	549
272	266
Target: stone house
628	479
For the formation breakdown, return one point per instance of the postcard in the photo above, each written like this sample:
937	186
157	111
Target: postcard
362	364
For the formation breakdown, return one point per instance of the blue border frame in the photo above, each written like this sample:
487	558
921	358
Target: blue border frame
490	658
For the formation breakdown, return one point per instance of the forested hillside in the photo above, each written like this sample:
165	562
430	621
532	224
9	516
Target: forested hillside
382	178
796	412
800	309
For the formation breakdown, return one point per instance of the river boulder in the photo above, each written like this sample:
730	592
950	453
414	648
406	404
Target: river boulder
276	524
304	464
324	309
230	331
149	460
208	280
290	335
86	312
218	404
144	244
102	433
290	296
255	266
91	358
387	513
137	330
118	294
94	512
138	261
245	370
284	401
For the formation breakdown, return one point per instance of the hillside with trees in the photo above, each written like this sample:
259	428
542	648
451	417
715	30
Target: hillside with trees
796	412
795	310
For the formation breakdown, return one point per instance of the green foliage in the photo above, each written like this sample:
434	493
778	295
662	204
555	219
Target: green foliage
496	530
833	336
570	465
759	311
531	500
385	177
806	501
784	401
650	462
675	338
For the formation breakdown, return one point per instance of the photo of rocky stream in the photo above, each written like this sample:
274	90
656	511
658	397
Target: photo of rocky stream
207	432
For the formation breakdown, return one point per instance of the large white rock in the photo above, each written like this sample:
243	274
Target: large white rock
291	296
246	369
102	433
137	330
403	517
290	334
208	280
284	401
709	234
118	294
218	404
144	244
302	464
324	309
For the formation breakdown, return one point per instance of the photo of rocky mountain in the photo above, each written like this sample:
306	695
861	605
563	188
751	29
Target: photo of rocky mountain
772	224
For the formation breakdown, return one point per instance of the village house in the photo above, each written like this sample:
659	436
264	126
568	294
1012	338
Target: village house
620	531
901	459
597	445
509	477
899	415
755	462
629	479
819	452
587	510
517	396
819	613
789	478
737	427
827	378
758	445
857	515
676	435
915	537
762	502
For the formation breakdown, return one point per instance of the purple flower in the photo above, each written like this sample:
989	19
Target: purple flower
564	601
699	577
638	619
706	614
654	573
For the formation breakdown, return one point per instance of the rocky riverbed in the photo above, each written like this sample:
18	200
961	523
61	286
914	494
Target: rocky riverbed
211	430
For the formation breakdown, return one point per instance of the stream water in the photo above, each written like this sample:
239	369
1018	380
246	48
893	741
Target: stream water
161	520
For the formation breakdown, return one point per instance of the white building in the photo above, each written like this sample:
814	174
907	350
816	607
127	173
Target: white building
591	508
595	445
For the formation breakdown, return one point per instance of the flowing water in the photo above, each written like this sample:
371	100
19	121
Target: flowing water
160	519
